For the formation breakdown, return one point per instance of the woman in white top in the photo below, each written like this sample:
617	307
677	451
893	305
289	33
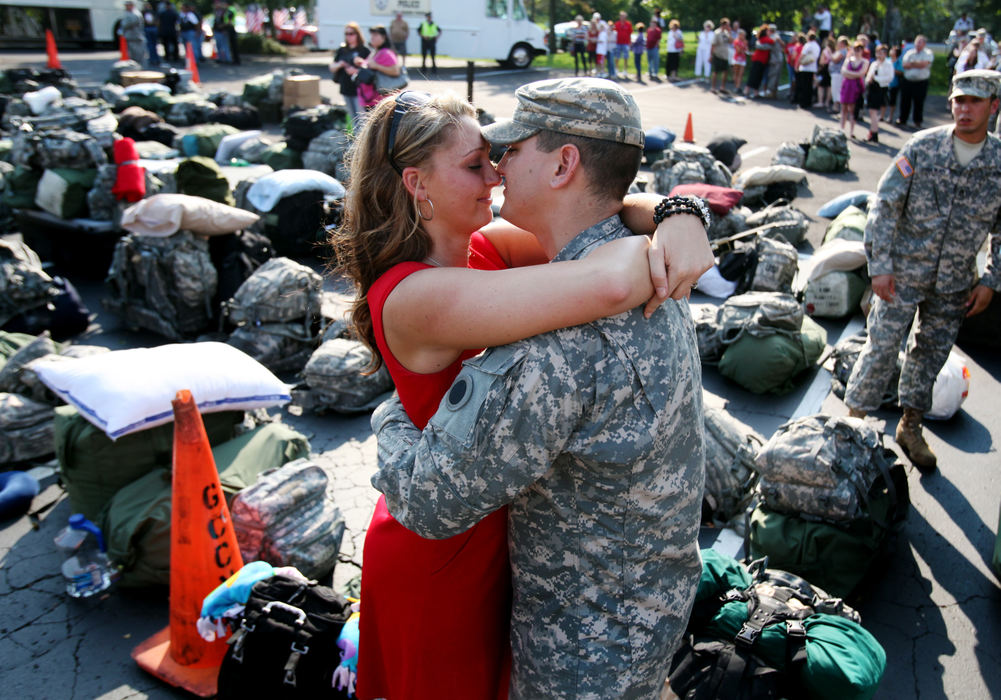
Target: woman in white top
601	49
877	81
703	67
973	56
675	46
837	60
806	71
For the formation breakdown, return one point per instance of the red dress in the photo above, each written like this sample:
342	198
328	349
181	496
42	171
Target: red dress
436	613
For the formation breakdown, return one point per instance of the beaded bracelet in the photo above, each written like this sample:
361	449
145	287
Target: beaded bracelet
669	206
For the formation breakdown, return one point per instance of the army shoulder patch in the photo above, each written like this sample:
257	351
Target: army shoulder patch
904	166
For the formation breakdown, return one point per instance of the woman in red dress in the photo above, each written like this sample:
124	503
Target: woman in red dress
436	612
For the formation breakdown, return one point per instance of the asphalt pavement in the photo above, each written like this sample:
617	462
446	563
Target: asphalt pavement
936	608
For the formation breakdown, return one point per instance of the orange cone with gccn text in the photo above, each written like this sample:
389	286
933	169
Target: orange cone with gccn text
50	51
203	553
123	47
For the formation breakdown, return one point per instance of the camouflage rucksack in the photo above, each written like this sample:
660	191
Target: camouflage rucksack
164	285
844	355
334	379
731	475
276	312
753	313
792	224
326	153
789	153
822	466
776	265
66	149
287	519
26	429
24	285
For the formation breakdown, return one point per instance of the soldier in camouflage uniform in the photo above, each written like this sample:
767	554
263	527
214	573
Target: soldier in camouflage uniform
937	203
593	434
132	27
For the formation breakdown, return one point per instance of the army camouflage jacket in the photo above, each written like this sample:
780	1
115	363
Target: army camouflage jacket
593	435
932	215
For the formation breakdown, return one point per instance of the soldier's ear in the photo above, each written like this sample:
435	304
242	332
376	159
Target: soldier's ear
567	165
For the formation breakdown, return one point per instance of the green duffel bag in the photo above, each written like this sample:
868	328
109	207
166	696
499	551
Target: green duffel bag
838	556
771	363
243	458
822	160
62	192
20	188
280	157
812	639
93	467
136	521
158	102
201	176
849	224
136	527
204	140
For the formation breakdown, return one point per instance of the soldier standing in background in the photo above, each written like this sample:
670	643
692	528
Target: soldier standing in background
937	203
132	27
399	32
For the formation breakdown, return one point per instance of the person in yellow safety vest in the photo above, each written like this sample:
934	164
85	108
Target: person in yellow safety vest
429	31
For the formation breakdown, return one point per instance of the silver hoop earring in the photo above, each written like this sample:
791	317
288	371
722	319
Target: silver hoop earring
421	214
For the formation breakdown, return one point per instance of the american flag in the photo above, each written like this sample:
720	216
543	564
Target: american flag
255	21
300	18
279	17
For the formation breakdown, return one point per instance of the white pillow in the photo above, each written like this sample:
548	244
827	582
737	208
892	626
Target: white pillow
230	142
166	214
270	189
146	88
767	175
124	391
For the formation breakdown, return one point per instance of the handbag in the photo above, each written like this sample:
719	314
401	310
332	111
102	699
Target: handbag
365	75
386	84
286	645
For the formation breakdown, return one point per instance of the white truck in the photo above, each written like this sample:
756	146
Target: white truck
492	29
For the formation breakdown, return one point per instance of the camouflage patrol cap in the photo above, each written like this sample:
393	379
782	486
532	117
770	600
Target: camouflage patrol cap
589	107
978	83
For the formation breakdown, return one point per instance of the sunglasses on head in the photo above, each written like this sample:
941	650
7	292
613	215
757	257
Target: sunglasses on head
404	102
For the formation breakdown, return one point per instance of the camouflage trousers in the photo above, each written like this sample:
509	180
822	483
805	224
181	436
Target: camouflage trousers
936	326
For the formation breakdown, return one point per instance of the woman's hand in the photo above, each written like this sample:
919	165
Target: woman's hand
679	254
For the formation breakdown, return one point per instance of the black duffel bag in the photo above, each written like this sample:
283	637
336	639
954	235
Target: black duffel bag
286	646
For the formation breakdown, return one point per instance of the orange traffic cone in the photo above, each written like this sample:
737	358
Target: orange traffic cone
689	136
50	49
123	47
203	554
192	63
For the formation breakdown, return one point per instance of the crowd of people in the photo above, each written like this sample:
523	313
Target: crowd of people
177	32
849	77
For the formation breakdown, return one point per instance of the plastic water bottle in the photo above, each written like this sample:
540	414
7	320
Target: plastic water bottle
87	569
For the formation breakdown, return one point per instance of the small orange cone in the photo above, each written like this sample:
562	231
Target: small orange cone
689	136
192	63
215	52
50	49
203	554
123	47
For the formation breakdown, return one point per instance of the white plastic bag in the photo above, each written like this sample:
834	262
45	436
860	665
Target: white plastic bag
951	387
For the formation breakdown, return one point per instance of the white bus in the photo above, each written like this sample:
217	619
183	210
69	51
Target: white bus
73	22
493	29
